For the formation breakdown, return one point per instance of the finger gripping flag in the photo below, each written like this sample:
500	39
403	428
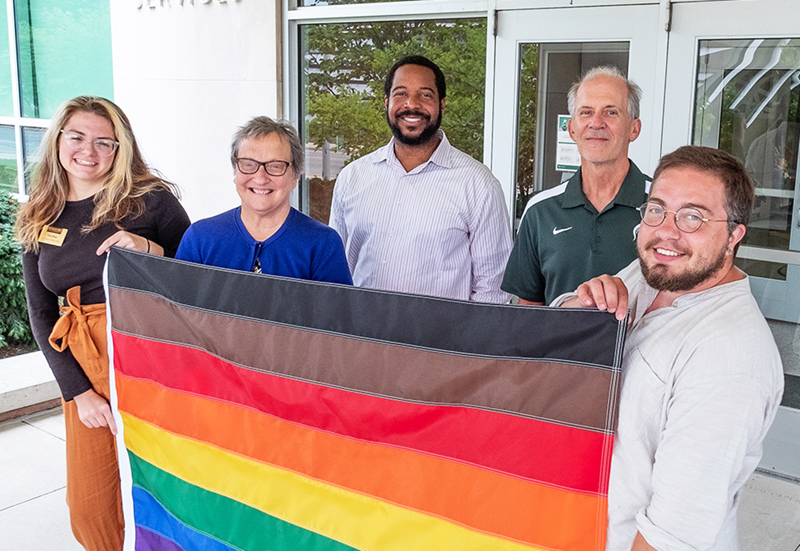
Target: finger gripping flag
261	412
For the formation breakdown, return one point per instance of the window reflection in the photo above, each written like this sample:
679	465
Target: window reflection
547	72
8	159
31	138
64	49
343	67
747	104
6	98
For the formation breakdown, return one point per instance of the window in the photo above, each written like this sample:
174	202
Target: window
8	159
62	49
342	66
747	104
6	95
547	72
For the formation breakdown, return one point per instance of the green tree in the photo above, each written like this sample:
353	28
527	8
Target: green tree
14	326
526	152
344	68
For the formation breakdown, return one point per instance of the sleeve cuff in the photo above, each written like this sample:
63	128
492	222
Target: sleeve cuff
561	299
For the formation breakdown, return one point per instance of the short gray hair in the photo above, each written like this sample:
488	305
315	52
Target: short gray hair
634	92
258	127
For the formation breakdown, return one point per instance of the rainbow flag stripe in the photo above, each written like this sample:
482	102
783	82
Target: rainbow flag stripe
261	412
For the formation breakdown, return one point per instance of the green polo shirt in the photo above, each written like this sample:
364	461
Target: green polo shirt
563	240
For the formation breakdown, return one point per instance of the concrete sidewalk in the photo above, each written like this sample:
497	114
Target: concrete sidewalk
33	511
26	386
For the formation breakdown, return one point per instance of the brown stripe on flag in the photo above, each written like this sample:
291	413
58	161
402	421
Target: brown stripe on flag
528	387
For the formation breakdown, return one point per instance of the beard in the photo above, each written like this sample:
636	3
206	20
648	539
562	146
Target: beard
425	136
659	278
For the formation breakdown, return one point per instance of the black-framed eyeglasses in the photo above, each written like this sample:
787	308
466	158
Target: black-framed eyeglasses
78	142
251	166
687	219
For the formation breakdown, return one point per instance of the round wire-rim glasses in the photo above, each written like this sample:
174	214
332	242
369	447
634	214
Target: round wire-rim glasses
251	166
687	219
74	141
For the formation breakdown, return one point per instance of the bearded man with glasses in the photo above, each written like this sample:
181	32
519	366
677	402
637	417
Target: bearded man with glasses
702	377
265	234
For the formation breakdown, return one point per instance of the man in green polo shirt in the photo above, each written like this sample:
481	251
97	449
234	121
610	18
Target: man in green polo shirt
587	226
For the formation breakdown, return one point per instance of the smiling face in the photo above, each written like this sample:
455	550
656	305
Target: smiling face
601	126
265	197
679	262
413	108
86	169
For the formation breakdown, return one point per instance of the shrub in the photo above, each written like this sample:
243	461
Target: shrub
14	325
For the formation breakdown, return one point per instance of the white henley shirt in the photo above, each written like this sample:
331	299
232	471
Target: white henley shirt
701	383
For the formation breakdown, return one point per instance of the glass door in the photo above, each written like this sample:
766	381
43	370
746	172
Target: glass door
539	54
741	72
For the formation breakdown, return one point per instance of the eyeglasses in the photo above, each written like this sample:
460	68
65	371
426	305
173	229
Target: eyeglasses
687	219
77	142
251	166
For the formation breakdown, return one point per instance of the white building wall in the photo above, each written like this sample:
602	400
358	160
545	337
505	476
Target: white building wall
187	73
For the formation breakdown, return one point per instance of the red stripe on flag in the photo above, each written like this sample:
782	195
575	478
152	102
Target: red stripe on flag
544	452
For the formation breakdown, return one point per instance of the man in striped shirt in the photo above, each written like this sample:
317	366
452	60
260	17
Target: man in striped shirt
418	215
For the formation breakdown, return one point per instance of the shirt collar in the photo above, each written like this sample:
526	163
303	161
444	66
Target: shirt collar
573	195
629	194
442	156
690	298
647	295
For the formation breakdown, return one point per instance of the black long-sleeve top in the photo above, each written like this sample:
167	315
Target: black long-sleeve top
55	269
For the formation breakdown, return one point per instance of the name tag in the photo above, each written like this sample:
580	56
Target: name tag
52	236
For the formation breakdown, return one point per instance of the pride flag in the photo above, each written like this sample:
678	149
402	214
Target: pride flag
260	412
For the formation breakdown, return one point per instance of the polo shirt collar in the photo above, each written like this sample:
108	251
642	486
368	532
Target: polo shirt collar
573	195
629	193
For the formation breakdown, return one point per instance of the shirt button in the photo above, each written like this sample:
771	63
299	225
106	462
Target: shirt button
600	219
597	239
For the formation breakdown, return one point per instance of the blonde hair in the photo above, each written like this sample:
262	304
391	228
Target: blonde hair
121	195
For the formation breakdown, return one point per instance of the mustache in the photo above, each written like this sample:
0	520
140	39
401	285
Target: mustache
654	242
413	113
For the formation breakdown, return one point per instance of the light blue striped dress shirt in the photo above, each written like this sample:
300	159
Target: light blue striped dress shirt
441	229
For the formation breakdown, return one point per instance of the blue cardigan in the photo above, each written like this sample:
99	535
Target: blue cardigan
302	248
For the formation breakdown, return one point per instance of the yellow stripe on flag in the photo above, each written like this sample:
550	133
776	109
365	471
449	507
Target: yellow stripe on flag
348	517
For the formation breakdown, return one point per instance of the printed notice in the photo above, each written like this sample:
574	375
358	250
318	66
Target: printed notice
567	157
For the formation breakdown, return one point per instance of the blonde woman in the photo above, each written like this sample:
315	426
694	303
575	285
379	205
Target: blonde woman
90	191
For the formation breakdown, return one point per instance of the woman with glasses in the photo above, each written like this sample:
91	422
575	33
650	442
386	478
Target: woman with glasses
265	234
90	190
